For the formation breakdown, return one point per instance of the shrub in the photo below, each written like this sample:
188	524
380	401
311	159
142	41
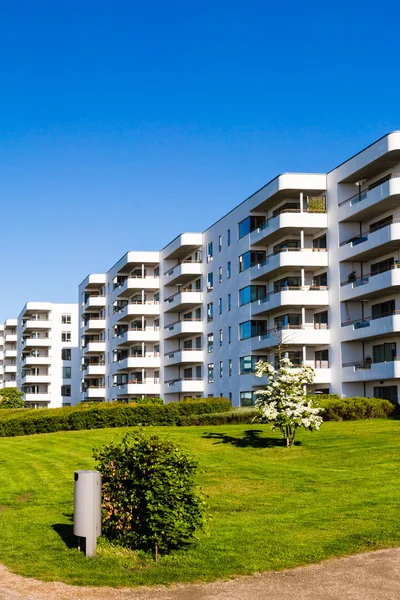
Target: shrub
349	409
105	414
317	204
245	416
11	398
149	495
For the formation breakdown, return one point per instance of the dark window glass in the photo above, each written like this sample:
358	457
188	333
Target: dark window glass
382	266
251	293
383	309
384	352
386	392
66	354
251	258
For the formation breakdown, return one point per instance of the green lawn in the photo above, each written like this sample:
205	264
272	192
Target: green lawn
335	493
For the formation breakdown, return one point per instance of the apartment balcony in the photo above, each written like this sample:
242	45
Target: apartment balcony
10	384
184	386
183	272
303	335
322	373
138	362
363	329
182	246
10	368
149	334
36	343
94	303
132	284
35	398
94	393
310	296
366	371
180	329
10	338
371	244
183	356
373	201
149	308
183	300
94	348
286	223
134	389
36	324
311	259
372	286
10	354
36	361
35	379
94	324
94	371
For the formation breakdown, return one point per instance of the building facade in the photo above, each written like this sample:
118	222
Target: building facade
47	354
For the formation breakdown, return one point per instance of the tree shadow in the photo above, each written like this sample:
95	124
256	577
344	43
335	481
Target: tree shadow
251	439
66	532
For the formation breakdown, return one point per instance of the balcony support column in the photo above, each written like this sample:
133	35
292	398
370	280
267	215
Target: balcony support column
301	202
302	277
302	239
303	316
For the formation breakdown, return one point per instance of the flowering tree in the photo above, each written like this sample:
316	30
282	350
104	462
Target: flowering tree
283	401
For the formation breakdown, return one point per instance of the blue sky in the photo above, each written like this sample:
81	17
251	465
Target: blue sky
123	124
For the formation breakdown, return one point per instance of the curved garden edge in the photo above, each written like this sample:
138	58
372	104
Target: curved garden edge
365	576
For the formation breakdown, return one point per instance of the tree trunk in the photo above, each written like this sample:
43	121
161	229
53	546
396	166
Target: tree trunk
156	552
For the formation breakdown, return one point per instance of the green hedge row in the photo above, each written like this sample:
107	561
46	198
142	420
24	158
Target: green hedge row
28	422
247	416
351	409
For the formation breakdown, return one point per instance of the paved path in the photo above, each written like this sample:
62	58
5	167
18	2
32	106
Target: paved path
374	576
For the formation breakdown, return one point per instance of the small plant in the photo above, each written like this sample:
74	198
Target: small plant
149	494
283	402
317	204
352	276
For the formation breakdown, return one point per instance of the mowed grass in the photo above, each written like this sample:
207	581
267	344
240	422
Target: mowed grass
271	508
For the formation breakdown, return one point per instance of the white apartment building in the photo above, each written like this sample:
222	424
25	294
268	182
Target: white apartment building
9	348
47	354
306	268
120	330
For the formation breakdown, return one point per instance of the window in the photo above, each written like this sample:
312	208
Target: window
66	391
220	337
66	319
197	344
320	242
321	359
229	335
381	266
320	280
286	207
210	342
251	293
210	281
229	302
221	368
66	372
383	309
381	223
251	258
188	373
230	397
247	398
210	372
287	283
286	246
251	224
66	336
220	306
287	321
66	354
210	312
321	320
384	352
295	357
209	252
247	364
219	274
228	270
250	329
219	243
229	237
230	367
386	392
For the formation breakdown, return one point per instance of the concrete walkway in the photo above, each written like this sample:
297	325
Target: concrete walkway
374	576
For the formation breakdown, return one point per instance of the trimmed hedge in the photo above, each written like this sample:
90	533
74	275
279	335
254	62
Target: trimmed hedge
245	416
28	422
351	409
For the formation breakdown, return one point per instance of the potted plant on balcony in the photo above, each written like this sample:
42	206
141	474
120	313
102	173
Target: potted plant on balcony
352	276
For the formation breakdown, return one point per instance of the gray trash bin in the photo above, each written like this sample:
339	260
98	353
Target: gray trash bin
87	510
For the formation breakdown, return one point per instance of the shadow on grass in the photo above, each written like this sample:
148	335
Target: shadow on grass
251	439
66	532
